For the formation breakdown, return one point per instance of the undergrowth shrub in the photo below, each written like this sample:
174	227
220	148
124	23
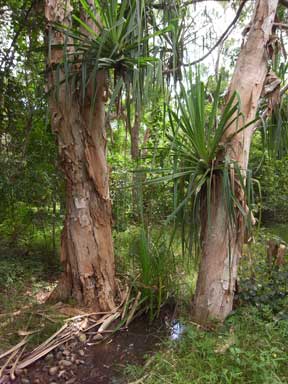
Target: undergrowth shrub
262	285
150	264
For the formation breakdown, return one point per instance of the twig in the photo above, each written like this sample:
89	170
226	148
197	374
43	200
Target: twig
16	347
108	321
205	328
281	25
12	371
16	313
41	346
46	317
223	37
97	323
126	304
131	314
71	327
31	360
86	315
11	357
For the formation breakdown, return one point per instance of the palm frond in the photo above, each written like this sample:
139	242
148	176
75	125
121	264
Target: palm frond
197	141
115	39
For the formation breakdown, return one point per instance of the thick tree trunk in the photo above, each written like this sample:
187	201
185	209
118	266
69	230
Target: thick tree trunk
221	250
222	243
86	243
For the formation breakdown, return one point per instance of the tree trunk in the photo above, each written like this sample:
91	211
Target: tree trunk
135	156
86	242
135	130
222	243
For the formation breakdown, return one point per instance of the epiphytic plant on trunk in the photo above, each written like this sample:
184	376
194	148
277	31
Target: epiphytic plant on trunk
221	240
222	247
200	163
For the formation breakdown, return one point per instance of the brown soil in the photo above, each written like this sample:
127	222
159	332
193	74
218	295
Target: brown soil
88	363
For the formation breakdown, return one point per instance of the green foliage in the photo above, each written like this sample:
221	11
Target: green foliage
25	280
245	350
274	128
272	175
196	138
249	348
274	184
116	41
149	262
29	181
134	44
199	158
269	292
156	263
263	285
274	131
19	265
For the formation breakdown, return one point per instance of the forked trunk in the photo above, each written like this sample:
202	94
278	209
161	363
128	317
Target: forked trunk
222	243
86	243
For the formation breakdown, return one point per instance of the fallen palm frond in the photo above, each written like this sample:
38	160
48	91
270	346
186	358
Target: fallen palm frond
16	347
73	327
133	310
13	369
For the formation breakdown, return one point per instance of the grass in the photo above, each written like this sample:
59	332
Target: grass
247	349
26	279
145	258
250	348
279	230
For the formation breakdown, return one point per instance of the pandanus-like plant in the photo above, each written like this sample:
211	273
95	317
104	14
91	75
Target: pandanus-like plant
197	149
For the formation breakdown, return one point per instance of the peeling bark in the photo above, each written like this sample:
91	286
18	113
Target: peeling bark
86	243
135	155
221	243
135	130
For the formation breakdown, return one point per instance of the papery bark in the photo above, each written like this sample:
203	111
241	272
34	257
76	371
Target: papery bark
221	241
86	243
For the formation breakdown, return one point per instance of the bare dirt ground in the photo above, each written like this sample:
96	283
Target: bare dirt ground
85	362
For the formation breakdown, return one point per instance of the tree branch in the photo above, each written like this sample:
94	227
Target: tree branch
185	4
222	38
284	2
281	25
6	61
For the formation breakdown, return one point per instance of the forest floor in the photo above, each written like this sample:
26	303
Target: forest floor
250	348
26	280
82	361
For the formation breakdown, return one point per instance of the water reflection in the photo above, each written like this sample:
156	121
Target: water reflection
177	330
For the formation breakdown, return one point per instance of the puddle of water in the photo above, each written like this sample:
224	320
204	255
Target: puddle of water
104	363
176	330
129	347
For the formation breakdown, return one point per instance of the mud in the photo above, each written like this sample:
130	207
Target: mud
87	363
